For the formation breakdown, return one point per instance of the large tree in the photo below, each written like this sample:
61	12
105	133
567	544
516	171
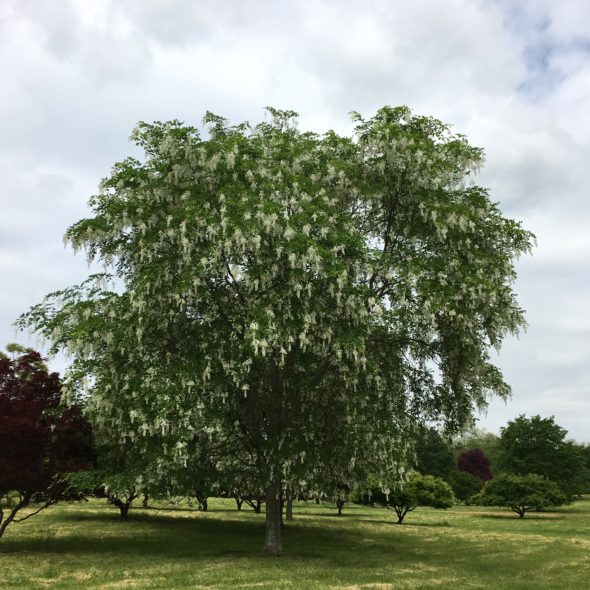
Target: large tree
299	298
538	445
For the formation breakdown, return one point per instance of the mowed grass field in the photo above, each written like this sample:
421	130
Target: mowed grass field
78	546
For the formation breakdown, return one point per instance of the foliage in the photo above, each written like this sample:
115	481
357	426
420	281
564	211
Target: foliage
298	298
488	442
585	452
538	445
419	490
119	488
521	493
433	454
475	462
465	485
341	493
121	491
40	441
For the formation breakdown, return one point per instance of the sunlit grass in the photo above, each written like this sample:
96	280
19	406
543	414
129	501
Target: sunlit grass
86	546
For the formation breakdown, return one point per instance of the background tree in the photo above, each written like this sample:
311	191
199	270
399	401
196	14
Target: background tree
521	493
476	438
434	455
585	452
419	490
538	445
465	486
475	462
270	287
121	490
243	483
119	486
40	441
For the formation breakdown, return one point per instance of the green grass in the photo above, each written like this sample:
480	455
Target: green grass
80	546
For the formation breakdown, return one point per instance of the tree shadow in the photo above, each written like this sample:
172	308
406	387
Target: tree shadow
407	523
161	537
146	534
546	516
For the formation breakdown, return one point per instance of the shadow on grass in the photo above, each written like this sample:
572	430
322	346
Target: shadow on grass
143	534
529	516
407	523
162	536
224	544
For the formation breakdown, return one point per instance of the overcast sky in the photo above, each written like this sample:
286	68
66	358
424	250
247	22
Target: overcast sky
514	76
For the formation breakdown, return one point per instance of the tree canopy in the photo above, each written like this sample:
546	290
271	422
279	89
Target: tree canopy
538	445
418	490
475	462
434	455
40	441
298	299
476	438
465	485
521	493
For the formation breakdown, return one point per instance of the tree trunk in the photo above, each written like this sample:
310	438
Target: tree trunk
239	503
145	500
401	513
122	506
202	500
282	510
289	509
255	504
6	522
12	512
340	505
272	539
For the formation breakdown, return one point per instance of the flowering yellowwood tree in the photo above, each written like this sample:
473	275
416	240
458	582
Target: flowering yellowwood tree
297	299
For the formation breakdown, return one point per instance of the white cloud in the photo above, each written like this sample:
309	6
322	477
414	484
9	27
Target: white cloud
514	76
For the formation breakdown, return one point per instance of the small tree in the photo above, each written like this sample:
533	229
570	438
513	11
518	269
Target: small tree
521	493
419	490
121	490
339	491
475	462
465	485
40	441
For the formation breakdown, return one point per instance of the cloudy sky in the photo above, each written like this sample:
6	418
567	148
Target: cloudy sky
514	76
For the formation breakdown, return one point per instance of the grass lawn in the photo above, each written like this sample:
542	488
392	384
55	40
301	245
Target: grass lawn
80	546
